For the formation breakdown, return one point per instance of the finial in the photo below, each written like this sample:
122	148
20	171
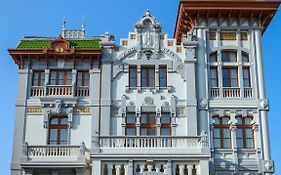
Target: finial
63	23
147	13
83	22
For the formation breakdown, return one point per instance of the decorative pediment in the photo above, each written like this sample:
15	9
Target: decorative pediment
60	46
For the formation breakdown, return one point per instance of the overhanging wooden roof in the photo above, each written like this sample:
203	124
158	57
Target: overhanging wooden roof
190	9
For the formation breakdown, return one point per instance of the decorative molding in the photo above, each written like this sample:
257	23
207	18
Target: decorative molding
34	110
82	110
148	101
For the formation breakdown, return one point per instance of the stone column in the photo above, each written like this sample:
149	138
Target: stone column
189	169
189	63
96	167
95	77
168	170
201	76
130	168
203	168
106	77
268	163
20	119
181	167
233	129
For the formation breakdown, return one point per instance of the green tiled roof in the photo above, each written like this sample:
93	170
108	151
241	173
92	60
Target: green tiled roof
41	44
33	44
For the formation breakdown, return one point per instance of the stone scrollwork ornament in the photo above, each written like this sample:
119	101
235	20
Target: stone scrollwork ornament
148	101
58	106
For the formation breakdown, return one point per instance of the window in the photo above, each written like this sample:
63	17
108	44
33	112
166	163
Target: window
228	56
130	124
147	76
213	57
61	77
38	78
162	76
244	133
221	133
165	124
83	78
213	77
148	124
245	57
58	130
133	76
246	77
230	77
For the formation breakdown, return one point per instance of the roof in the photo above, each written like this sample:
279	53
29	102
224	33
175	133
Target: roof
189	10
46	43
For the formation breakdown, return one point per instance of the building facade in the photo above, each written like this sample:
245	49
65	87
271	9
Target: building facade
191	105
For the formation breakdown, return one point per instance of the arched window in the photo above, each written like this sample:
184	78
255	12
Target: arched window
244	132
58	130
229	56
221	133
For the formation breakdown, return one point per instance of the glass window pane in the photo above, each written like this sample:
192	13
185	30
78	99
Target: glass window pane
217	143
226	77
42	79
232	57
162	76
165	131
239	120
53	78
216	133
69	78
54	121
143	131
133	76
239	133
131	118
249	143
239	142
165	118
152	131
216	120
64	120
226	133
213	57
130	131
225	120
248	120
63	136
226	143
245	57
53	136
143	118
152	118
249	133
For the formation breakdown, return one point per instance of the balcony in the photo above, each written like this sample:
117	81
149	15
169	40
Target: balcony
231	93
59	90
153	145
61	154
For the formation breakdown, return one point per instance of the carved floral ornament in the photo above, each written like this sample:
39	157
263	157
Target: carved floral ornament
57	108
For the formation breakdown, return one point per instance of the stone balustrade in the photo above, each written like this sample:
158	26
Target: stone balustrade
59	90
231	93
152	142
82	91
55	150
37	91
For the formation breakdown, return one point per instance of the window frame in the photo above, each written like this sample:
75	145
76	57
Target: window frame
161	77
58	127
148	125
147	78
166	125
57	77
130	125
221	126
41	78
229	77
83	80
130	75
243	126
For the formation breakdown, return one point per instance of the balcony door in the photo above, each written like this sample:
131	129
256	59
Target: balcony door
58	130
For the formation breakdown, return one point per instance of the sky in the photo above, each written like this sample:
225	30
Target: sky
20	18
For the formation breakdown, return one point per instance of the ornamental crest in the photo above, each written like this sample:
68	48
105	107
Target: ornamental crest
148	39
